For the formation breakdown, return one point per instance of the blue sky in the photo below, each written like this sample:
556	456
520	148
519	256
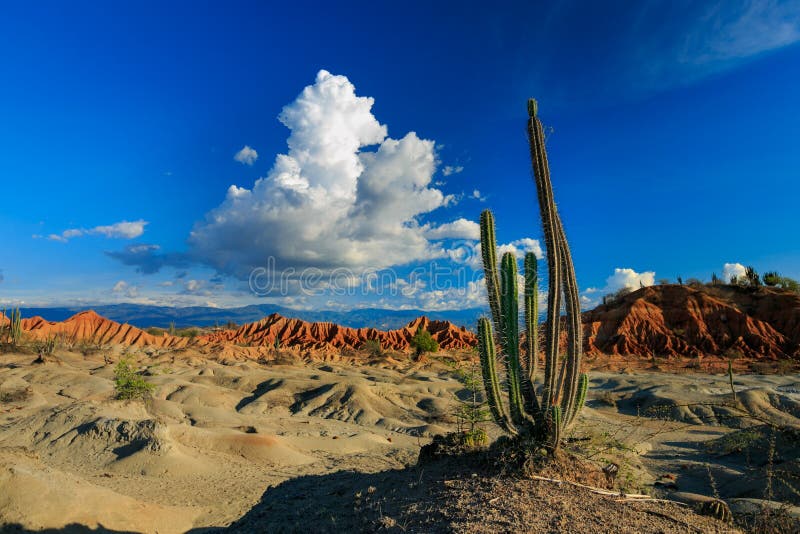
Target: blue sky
381	131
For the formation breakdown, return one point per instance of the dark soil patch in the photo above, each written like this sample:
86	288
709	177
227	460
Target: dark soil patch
463	494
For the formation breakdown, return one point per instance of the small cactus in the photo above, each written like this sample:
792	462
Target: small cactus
14	326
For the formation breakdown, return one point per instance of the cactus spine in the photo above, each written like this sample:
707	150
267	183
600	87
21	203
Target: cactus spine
563	388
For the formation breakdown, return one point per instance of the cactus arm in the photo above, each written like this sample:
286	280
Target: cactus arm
491	383
574	326
489	256
531	315
509	300
556	424
548	215
583	387
531	300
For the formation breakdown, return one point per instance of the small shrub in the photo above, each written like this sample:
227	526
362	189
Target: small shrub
607	398
129	383
424	342
472	412
191	333
372	347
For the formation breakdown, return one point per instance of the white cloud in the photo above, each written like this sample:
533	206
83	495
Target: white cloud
731	30
450	169
193	285
730	270
621	278
123	288
124	229
520	247
119	230
458	229
120	286
476	194
328	203
246	156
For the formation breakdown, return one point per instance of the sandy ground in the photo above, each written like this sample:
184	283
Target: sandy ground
218	441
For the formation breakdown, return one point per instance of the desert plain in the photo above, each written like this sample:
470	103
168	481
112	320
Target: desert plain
304	444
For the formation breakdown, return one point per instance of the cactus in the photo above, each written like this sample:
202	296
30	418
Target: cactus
563	391
15	326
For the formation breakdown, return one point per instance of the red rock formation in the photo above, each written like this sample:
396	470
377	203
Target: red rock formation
327	336
90	327
673	320
293	333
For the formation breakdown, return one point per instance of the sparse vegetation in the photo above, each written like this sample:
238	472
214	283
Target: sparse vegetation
773	279
373	348
423	342
129	383
472	412
191	333
12	331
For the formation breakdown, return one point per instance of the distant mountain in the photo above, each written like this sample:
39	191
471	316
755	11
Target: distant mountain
145	316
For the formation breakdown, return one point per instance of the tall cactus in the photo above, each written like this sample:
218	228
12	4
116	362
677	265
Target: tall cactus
563	388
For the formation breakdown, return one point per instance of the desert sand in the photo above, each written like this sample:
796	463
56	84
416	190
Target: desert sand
221	443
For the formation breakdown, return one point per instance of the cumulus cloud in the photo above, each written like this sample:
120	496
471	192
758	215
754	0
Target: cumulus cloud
630	279
729	270
246	156
328	202
119	230
520	247
450	169
621	278
458	229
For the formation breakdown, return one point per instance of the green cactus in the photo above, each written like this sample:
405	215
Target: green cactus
563	391
556	426
15	327
489	255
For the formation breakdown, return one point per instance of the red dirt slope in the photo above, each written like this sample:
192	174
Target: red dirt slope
674	320
90	327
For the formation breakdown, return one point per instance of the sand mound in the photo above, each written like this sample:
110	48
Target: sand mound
38	497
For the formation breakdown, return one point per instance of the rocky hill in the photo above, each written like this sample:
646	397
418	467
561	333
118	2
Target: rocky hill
675	320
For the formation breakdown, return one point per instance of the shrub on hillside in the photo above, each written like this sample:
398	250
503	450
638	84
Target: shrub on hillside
423	342
129	383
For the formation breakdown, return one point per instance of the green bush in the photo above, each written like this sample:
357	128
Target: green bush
773	279
423	342
372	347
129	383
